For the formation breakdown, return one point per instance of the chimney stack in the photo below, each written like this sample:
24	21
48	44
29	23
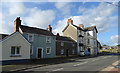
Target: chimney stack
17	24
49	28
81	26
58	34
70	21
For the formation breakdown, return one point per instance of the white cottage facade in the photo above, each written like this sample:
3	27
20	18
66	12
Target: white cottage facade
14	47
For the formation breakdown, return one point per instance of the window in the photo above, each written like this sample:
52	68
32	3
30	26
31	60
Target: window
73	51
73	44
30	37
15	50
48	39
31	50
62	51
88	34
88	41
94	42
62	43
81	40
48	50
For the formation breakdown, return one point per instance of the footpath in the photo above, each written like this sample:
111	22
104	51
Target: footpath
114	68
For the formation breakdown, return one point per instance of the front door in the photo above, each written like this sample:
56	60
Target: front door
39	53
67	52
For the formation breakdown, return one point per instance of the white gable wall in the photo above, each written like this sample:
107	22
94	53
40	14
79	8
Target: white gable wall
15	40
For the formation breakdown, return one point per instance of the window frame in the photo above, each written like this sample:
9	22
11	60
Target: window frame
62	51
16	51
31	50
47	49
47	39
62	43
29	37
73	51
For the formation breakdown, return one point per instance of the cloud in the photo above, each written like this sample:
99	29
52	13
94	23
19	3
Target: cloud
102	15
99	16
60	26
10	10
64	7
16	8
115	39
33	16
39	18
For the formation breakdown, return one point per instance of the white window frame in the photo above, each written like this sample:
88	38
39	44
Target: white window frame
16	50
46	50
62	51
73	45
47	39
32	37
73	51
31	49
62	43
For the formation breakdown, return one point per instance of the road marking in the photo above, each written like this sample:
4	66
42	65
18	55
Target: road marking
95	59
25	68
58	69
80	64
7	65
109	56
105	57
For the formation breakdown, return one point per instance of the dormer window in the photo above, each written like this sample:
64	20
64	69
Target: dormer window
30	37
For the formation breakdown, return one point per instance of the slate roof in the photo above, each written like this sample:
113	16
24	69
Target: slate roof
2	36
85	29
78	27
90	28
35	30
64	38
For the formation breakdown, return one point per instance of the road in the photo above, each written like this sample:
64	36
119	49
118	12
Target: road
89	64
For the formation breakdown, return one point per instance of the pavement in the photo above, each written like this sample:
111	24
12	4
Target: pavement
113	68
65	64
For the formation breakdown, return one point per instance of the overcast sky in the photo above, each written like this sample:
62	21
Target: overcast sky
41	14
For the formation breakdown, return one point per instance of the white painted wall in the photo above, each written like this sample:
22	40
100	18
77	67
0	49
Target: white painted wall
15	40
91	33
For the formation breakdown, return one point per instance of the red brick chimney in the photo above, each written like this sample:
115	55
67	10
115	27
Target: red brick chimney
17	24
81	26
70	21
49	28
58	34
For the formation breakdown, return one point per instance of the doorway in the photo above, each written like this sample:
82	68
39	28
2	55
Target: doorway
67	52
88	49
39	55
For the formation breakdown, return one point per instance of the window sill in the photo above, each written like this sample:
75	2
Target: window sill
48	42
48	53
15	56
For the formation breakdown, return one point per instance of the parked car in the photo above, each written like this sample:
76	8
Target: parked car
82	53
87	53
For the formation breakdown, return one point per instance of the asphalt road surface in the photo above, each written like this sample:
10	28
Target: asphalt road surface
89	65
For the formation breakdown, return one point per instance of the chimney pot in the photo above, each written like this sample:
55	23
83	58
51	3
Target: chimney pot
17	24
49	28
70	21
81	26
58	34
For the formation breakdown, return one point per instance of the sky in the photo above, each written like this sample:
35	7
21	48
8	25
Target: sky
41	14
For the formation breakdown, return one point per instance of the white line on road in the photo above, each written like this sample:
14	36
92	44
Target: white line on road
80	64
58	69
105	57
95	59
